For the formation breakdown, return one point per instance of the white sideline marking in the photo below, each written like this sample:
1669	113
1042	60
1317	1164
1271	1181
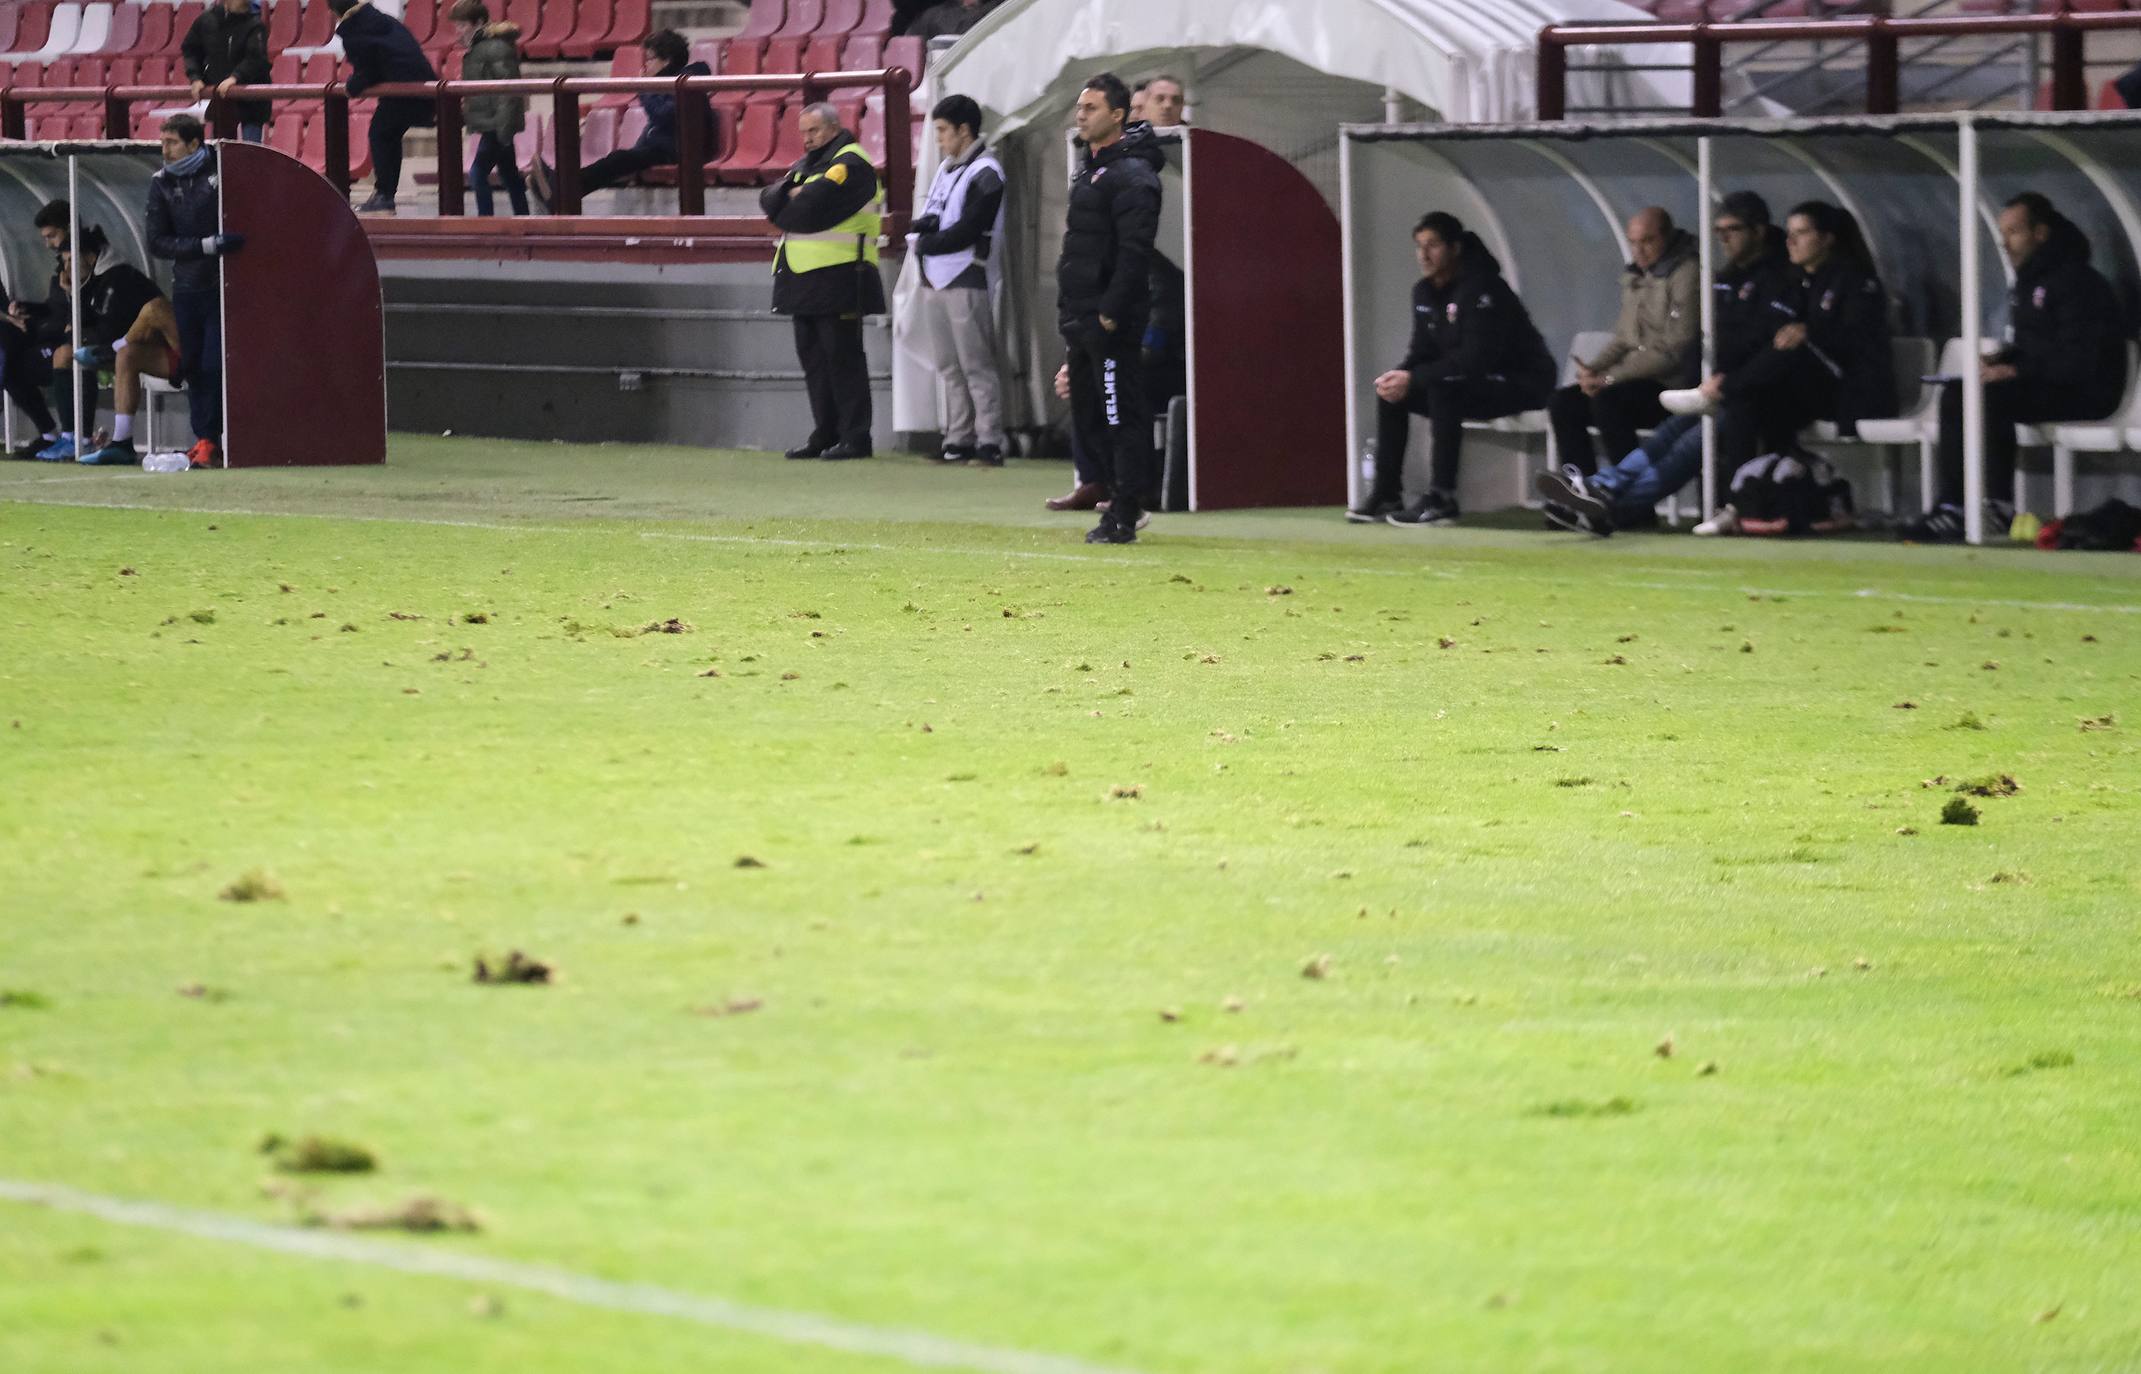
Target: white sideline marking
1859	594
797	1328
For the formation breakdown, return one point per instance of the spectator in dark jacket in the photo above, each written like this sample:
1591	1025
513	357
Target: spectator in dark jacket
667	55
25	347
829	209
185	225
1475	355
1829	358
2064	359
1625	493
1104	299
381	49
226	47
493	55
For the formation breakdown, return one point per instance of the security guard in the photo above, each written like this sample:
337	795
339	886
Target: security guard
830	209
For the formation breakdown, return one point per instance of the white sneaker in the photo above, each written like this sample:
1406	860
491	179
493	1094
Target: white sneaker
1689	401
1573	475
1726	521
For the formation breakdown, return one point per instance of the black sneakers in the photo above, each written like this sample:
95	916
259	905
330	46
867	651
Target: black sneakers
955	453
812	450
987	456
1108	532
1374	510
1435	508
841	452
1571	505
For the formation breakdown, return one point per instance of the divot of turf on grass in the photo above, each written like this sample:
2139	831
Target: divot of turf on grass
515	968
318	1154
1576	1108
254	885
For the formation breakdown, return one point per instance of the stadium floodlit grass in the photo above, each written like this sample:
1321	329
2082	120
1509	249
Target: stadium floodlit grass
1278	947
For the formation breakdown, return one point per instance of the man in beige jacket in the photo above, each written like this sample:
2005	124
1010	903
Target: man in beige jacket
1654	346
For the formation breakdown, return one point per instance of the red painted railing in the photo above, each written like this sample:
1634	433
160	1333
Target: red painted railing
564	94
2068	33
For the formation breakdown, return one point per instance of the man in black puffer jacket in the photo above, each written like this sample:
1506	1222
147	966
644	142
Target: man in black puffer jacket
380	49
1475	355
227	46
185	225
2065	359
1104	299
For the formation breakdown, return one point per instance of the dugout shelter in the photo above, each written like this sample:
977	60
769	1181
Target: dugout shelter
1253	190
1550	200
304	371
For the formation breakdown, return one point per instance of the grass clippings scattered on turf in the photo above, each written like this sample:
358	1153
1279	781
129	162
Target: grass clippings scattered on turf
734	1006
202	992
318	1154
253	885
421	1215
2090	724
1577	1108
2041	1062
515	968
1969	720
1958	811
671	626
1990	785
1316	967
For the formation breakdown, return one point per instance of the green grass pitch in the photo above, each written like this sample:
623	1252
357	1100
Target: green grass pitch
1278	948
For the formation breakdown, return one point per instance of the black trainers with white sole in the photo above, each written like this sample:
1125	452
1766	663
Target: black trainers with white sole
1435	508
1374	510
1573	494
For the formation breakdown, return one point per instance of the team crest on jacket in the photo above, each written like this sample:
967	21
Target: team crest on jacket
1747	292
1828	299
1486	302
2036	298
1451	312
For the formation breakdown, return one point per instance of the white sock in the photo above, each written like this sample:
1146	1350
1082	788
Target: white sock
122	428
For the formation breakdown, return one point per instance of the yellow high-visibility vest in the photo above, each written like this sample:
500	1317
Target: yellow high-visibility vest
853	239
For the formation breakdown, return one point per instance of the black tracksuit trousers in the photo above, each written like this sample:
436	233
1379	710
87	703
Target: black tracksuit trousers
1446	404
2007	404
1112	416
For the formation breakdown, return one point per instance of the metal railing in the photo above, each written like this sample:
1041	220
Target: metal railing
2067	35
564	94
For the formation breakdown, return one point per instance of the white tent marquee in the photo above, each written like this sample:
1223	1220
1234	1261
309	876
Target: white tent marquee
1283	73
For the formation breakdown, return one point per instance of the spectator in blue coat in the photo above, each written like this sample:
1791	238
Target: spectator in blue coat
381	49
667	55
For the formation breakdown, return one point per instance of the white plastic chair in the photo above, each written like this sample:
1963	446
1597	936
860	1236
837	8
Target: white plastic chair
95	30
1530	422
59	39
2113	434
1917	417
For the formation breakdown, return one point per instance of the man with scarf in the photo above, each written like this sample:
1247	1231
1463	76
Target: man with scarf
830	211
185	224
959	228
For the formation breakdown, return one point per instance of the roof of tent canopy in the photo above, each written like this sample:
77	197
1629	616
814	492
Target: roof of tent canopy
1463	59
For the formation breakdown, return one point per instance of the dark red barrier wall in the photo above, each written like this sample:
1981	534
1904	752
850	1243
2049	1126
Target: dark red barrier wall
1265	291
304	343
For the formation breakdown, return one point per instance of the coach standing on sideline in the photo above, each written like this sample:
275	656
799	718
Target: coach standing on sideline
830	212
185	224
1104	298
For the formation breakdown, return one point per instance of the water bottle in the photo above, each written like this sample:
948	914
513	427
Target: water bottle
165	462
1367	464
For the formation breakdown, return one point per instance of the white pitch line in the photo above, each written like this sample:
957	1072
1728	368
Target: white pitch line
917	1348
1124	560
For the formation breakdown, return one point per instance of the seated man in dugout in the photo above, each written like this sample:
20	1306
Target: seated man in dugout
1475	355
1624	494
1654	346
2064	359
128	327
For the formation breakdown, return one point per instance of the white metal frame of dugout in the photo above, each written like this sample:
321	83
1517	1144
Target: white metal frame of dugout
1550	199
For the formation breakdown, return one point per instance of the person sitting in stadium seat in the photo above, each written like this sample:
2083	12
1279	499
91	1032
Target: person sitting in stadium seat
667	55
1625	493
29	332
1475	355
951	18
1654	346
381	49
227	47
958	232
2064	359
185	224
493	55
1828	360
127	327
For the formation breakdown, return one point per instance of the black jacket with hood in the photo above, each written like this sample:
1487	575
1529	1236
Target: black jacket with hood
1476	327
1108	234
2064	327
221	44
1742	322
113	299
381	49
855	288
1845	311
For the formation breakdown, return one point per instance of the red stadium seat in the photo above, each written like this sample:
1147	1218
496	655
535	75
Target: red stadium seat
782	55
598	134
316	26
424	20
10	20
589	24
876	18
756	137
287	69
282	18
842	17
630	21
765	20
122	71
286	135
863	52
33	25
163	28
526	13
739	57
321	68
804	16
548	41
630	61
908	53
822	54
125	28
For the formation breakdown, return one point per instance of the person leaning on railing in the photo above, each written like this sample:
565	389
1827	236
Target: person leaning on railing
226	47
667	55
381	49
